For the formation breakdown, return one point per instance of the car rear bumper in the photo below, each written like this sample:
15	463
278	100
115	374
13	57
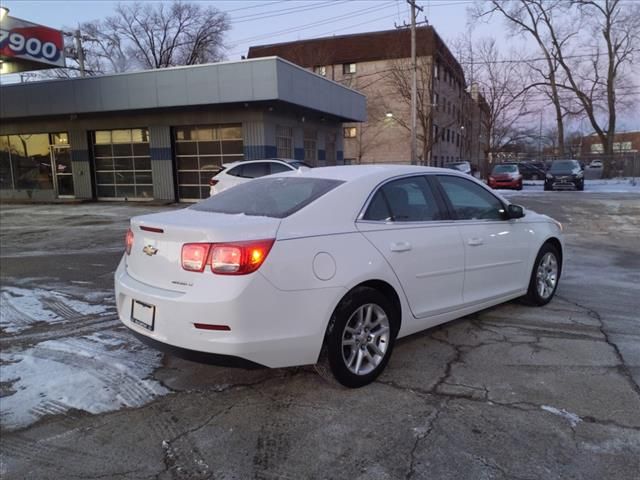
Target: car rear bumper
562	185
505	183
267	326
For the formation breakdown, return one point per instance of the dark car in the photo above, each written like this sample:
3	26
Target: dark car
563	175
529	171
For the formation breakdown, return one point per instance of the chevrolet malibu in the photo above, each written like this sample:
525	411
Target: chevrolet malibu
330	266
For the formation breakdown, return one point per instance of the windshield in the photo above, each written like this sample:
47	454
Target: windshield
276	197
563	166
505	169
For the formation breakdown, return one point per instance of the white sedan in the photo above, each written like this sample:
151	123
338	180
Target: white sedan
330	265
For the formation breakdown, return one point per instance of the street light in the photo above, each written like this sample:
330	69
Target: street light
4	11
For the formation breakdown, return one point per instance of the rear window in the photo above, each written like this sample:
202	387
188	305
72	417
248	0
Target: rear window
268	197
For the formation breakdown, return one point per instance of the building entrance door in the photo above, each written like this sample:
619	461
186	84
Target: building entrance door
62	171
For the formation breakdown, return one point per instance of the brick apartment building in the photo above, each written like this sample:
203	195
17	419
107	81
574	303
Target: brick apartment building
623	143
378	64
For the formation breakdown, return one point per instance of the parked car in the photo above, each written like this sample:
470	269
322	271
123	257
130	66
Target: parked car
539	164
529	171
563	175
241	172
595	164
464	167
319	265
505	175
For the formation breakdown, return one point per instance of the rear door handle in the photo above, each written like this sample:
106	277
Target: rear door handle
400	246
474	242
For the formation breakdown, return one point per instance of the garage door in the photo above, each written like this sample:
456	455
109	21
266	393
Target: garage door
122	164
200	152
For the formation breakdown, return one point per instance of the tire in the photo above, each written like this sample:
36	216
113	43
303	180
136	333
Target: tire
348	366
546	188
543	293
519	186
581	187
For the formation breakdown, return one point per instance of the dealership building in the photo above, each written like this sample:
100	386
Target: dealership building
161	134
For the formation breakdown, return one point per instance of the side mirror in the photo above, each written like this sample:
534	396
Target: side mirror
515	211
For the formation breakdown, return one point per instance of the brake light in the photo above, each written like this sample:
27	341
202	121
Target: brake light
128	242
239	258
213	182
194	256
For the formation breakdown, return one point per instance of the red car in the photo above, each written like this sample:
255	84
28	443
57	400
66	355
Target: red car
506	176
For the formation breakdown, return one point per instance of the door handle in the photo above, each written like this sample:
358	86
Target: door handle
474	242
400	246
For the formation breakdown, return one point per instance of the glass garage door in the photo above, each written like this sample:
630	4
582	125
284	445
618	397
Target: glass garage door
200	152
122	164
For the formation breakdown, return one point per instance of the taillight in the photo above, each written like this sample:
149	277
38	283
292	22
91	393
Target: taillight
194	256
128	241
213	182
239	258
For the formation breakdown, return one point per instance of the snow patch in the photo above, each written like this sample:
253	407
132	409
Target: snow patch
96	373
22	307
571	417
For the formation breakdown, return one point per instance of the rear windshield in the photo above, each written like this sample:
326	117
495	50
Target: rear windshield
276	197
505	169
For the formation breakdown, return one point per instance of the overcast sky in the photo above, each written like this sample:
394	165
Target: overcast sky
257	22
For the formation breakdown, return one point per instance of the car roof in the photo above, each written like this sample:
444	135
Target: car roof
348	173
238	162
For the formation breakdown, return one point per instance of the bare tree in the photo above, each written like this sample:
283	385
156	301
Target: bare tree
527	18
160	36
501	84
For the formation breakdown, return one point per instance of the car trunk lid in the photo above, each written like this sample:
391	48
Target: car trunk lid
155	257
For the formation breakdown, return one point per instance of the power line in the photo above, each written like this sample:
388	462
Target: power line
285	11
250	7
359	12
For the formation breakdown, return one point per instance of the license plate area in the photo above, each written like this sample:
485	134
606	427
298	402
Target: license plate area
143	314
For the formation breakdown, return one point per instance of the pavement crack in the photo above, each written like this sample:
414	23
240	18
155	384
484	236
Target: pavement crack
432	418
623	368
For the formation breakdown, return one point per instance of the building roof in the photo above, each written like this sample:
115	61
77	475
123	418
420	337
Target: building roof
264	79
361	47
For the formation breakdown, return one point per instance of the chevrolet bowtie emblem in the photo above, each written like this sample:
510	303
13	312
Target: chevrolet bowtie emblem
150	250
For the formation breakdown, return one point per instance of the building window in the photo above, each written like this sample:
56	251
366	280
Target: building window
310	146
320	70
122	164
435	132
350	132
200	153
348	68
436	71
435	100
25	162
284	142
447	134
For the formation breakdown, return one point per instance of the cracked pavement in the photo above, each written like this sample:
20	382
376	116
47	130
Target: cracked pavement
510	392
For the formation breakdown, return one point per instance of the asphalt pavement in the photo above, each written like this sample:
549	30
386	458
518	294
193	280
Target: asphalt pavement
509	392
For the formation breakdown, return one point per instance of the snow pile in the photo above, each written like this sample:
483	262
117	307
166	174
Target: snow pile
97	373
20	308
571	417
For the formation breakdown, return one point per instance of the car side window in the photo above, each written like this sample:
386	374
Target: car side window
235	171
470	201
255	170
279	168
404	200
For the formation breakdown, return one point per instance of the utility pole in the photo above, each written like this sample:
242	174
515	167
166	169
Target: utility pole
78	39
414	85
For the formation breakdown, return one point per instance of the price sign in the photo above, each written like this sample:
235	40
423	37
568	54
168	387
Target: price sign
25	41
